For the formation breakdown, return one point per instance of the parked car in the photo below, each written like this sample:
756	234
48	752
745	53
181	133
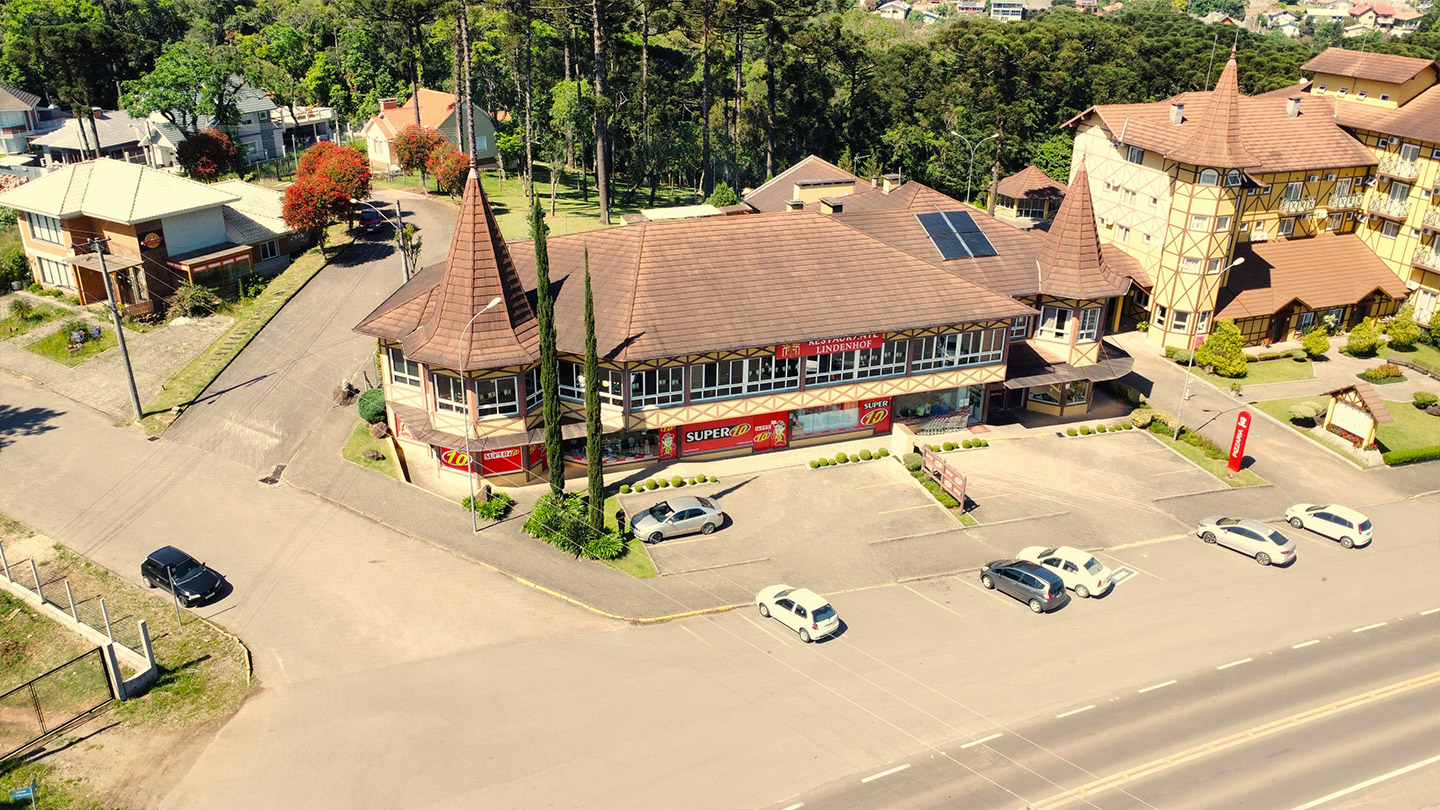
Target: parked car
799	609
1248	536
677	516
1079	570
192	582
1334	521
371	221
1029	582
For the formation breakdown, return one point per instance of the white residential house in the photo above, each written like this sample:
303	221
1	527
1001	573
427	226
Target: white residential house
894	10
437	112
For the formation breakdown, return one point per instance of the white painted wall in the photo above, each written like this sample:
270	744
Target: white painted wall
186	232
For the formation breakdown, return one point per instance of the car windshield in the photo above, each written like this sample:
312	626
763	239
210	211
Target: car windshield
660	510
1093	566
705	502
823	613
1226	522
1365	526
185	570
1278	539
1046	552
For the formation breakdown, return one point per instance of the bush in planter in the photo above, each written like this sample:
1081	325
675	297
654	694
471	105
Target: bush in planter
949	445
1071	432
1316	343
624	489
1424	399
854	459
882	452
1363	339
841	458
865	455
663	483
1384	371
1305	412
650	484
1128	425
371	405
814	465
604	547
984	443
677	481
1085	430
912	461
965	445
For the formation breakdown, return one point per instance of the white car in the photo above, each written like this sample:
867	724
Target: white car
1079	570
1248	536
1334	521
799	609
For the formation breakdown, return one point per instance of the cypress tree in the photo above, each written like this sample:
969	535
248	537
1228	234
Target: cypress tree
549	366
592	412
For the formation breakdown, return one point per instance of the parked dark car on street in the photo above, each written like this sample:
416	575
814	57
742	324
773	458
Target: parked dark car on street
371	221
189	579
1032	584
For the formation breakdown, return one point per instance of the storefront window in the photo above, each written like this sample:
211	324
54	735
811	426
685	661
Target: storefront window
1077	392
957	350
497	397
655	387
572	384
1048	394
826	419
956	402
617	448
402	371
734	378
887	360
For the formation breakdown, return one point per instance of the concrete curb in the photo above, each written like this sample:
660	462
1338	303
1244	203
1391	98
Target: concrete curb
716	567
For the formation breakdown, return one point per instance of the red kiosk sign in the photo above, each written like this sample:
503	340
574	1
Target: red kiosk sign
1237	443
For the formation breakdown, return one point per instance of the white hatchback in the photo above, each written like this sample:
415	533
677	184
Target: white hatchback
799	609
1079	570
1334	521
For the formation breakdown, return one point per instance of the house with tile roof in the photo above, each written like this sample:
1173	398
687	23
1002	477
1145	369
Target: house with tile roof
160	230
19	116
1238	206
741	334
428	109
120	137
803	184
1028	194
893	10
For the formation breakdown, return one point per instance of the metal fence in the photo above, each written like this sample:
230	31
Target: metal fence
53	701
279	169
86	608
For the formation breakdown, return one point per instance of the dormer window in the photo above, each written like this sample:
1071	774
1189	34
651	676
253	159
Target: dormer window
1232	178
1384	96
1209	177
1342	91
1362	94
1322	88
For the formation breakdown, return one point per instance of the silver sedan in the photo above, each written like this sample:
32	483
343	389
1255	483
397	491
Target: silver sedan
1247	536
677	516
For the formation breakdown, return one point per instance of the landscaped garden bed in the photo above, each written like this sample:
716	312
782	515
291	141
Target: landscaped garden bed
1414	435
62	346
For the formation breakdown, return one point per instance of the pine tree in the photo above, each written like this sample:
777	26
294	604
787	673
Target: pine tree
596	512
549	366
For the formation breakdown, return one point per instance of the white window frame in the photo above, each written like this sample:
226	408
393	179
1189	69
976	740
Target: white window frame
571	382
45	229
1160	315
493	406
1089	327
404	371
1191	264
1019	327
1389	229
886	360
269	250
1334	221
959	349
1122	234
1293	190
1127	196
1208	177
1233	178
1213	266
1201	222
1140	297
1202	323
1054	323
1342	186
54	273
534	396
1286	227
1222	223
743	376
645	386
1135	152
446	386
1179	321
1425	301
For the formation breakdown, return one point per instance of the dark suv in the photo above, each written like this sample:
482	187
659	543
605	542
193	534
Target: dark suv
193	583
1026	581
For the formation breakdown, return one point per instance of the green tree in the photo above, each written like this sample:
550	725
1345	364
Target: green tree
1363	339
593	452
1316	342
190	79
1224	350
723	195
1052	156
1404	332
549	364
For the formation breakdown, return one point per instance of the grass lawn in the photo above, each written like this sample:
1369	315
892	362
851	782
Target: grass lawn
53	791
946	499
636	560
1216	467
1422	356
1280	409
360	441
250	315
52	346
11	326
1411	430
1263	371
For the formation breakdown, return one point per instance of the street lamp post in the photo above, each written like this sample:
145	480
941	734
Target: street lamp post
469	460
399	231
1190	335
970	167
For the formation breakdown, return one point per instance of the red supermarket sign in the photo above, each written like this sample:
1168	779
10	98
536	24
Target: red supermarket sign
492	462
875	413
812	348
760	432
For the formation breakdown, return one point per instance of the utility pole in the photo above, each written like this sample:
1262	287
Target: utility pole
97	245
404	240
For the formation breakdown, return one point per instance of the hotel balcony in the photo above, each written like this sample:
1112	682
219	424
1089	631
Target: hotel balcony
1346	202
1302	206
1388	208
1428	258
1432	218
1393	166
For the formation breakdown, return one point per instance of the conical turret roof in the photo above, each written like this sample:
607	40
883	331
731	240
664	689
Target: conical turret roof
477	270
1216	141
1070	262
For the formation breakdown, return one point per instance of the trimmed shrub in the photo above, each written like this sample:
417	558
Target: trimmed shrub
825	462
1384	371
967	444
1085	430
1298	354
814	465
1071	432
664	483
1363	340
1424	399
1100	428
1404	332
984	443
371	405
1316	343
1142	417
624	489
1305	412
1412	455
1262	356
1128	425
692	482
650	484
1159	428
912	461
677	481
854	459
841	458
949	445
882	452
865	455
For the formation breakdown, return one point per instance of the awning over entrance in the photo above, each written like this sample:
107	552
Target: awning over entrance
1030	366
210	258
1320	272
417	424
113	262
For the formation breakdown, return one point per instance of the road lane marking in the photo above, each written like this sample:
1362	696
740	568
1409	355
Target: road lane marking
981	741
1369	627
886	484
1158	686
909	508
696	635
933	602
1369	782
1235	663
1087	791
1075	711
872	777
795	806
1428	612
1175	472
1305	644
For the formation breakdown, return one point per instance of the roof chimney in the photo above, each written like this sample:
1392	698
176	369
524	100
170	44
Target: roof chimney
874	182
388	104
795	205
1292	107
892	182
1177	114
830	205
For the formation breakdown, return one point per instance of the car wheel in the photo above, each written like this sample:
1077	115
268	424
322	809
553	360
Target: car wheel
707	528
987	582
805	636
1297	523
1346	542
764	611
1262	558
149	583
1082	591
1208	537
1035	606
655	537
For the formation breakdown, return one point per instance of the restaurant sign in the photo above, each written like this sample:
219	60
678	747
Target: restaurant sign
152	239
812	348
761	432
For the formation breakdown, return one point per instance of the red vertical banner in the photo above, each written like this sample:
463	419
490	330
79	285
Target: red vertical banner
1237	443
669	445
875	413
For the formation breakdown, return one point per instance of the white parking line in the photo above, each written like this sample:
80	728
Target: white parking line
1305	644
908	508
1369	627
1075	711
1369	782
872	777
795	806
1428	612
1235	663
886	484
1158	686
981	741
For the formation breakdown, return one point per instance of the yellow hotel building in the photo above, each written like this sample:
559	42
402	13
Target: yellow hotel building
1279	211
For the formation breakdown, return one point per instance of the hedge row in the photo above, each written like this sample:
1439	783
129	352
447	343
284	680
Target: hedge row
673	481
1086	430
842	458
964	445
1412	455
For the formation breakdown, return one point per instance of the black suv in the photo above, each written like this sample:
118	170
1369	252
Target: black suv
1026	581
193	583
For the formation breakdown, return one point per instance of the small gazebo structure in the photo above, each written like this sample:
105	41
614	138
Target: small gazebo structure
1354	412
1029	194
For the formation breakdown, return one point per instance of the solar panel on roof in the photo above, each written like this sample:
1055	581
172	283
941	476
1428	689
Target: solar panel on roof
956	235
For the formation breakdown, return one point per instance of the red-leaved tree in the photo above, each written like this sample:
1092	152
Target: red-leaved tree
207	154
347	166
311	158
451	171
311	203
413	145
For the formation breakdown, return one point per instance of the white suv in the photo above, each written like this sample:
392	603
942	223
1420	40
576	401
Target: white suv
1334	521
